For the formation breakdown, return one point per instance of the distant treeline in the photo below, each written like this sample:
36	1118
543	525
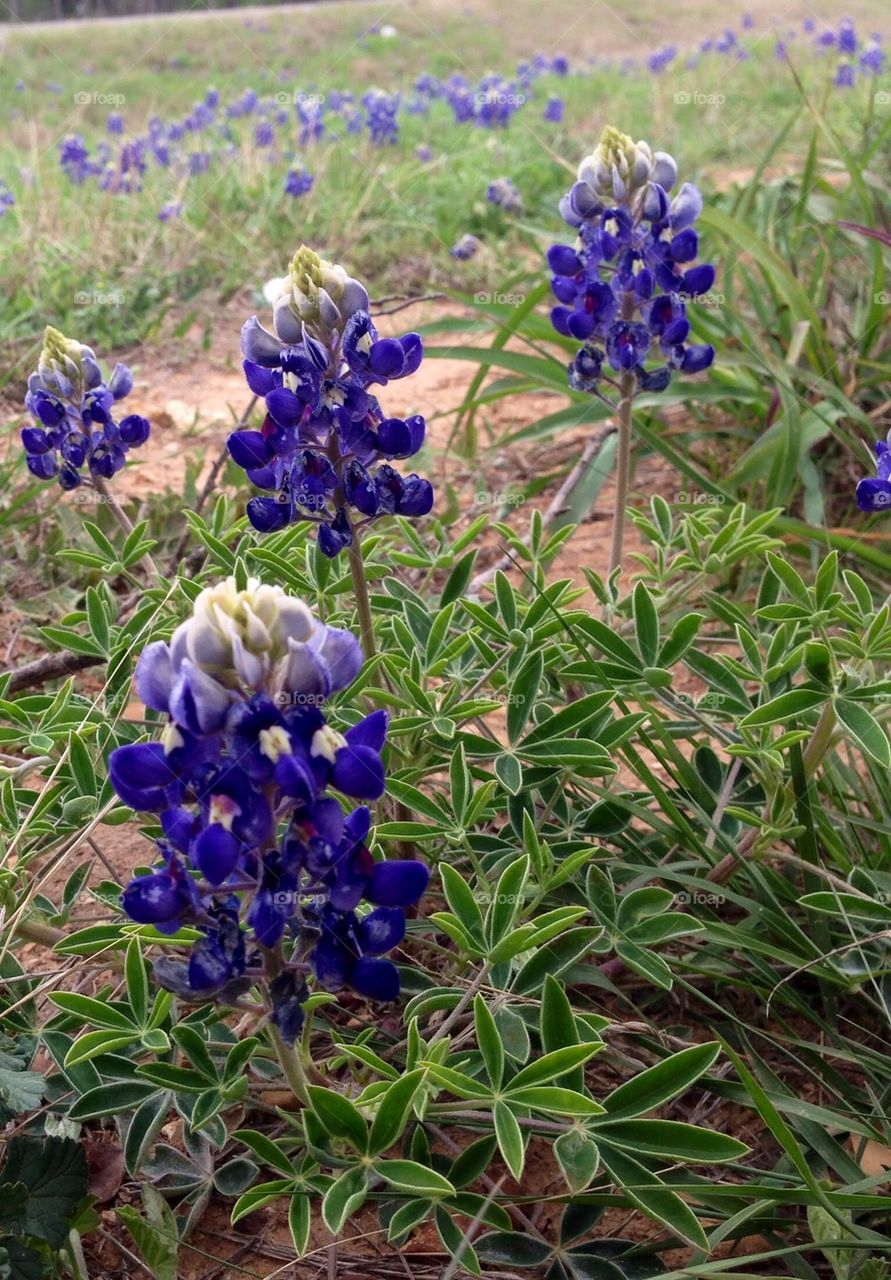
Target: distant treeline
40	10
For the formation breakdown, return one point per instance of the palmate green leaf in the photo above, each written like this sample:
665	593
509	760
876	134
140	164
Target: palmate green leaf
559	1101
462	900
511	1249
338	1116
393	1112
865	730
98	1012
455	1241
558	1029
673	1140
267	1151
144	1129
473	1161
646	624
93	1043
300	1222
578	1157
344	1197
137	981
848	904
652	1196
113	1098
489	1041
510	1138
155	1235
262	1194
507	899
658	1084
557	1063
784	708
456	1082
413	1178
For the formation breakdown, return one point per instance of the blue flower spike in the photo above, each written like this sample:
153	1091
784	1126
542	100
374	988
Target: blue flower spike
256	853
326	444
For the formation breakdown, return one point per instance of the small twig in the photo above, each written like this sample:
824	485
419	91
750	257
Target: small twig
125	522
404	300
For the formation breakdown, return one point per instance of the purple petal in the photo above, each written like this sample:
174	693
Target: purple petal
397	884
375	979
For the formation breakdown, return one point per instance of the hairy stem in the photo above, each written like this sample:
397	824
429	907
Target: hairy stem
623	469
124	521
290	1062
360	591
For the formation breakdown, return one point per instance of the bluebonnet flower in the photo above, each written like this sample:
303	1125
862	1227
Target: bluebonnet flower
624	287
553	111
264	134
74	158
298	182
661	59
424	153
73	409
7	199
872	58
465	247
255	853
874	493
503	193
326	443
381	110
171	209
310	113
115	122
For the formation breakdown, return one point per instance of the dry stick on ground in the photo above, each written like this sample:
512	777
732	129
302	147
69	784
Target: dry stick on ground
557	506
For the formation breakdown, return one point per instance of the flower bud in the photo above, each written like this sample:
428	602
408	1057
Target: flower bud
618	168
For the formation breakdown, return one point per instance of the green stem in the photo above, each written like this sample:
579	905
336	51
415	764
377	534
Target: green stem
623	469
124	521
290	1063
360	591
